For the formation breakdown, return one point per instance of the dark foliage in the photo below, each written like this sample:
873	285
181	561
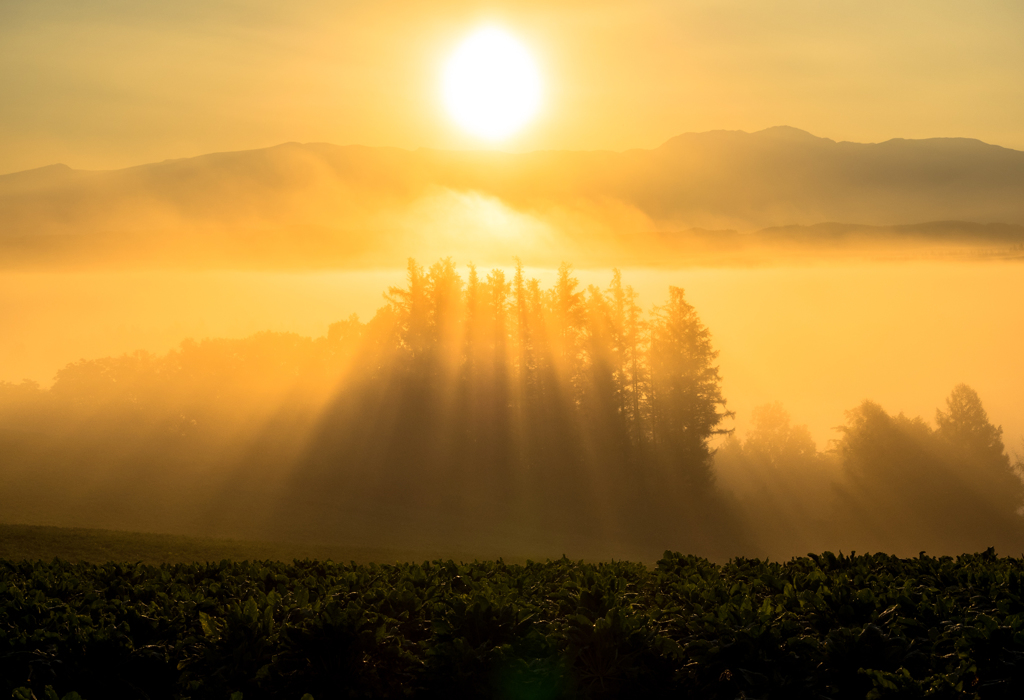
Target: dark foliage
817	627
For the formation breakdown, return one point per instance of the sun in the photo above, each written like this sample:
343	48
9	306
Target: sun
491	84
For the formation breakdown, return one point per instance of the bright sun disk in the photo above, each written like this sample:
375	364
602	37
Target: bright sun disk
491	84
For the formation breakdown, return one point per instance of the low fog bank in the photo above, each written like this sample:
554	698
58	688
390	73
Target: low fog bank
700	199
489	413
472	226
714	180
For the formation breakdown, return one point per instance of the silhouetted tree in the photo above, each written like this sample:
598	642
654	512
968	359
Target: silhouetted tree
775	442
567	310
685	394
975	446
966	428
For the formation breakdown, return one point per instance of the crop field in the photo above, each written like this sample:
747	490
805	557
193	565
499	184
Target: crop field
829	626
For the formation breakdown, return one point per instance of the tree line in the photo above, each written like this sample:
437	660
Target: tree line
488	406
887	482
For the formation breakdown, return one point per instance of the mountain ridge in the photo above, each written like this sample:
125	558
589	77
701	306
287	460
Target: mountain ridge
364	197
769	131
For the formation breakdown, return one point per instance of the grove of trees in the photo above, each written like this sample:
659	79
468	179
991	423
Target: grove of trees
492	414
888	482
564	412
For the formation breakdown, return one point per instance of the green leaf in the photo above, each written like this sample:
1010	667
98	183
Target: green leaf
208	625
251	611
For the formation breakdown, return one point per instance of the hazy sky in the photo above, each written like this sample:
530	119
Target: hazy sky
111	83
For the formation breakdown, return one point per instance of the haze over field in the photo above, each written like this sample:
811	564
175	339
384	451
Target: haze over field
647	319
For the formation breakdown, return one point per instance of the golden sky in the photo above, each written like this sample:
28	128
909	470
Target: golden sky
113	83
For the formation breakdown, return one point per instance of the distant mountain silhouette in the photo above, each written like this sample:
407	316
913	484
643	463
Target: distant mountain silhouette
326	195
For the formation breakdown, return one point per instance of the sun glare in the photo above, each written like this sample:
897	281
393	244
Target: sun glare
492	86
